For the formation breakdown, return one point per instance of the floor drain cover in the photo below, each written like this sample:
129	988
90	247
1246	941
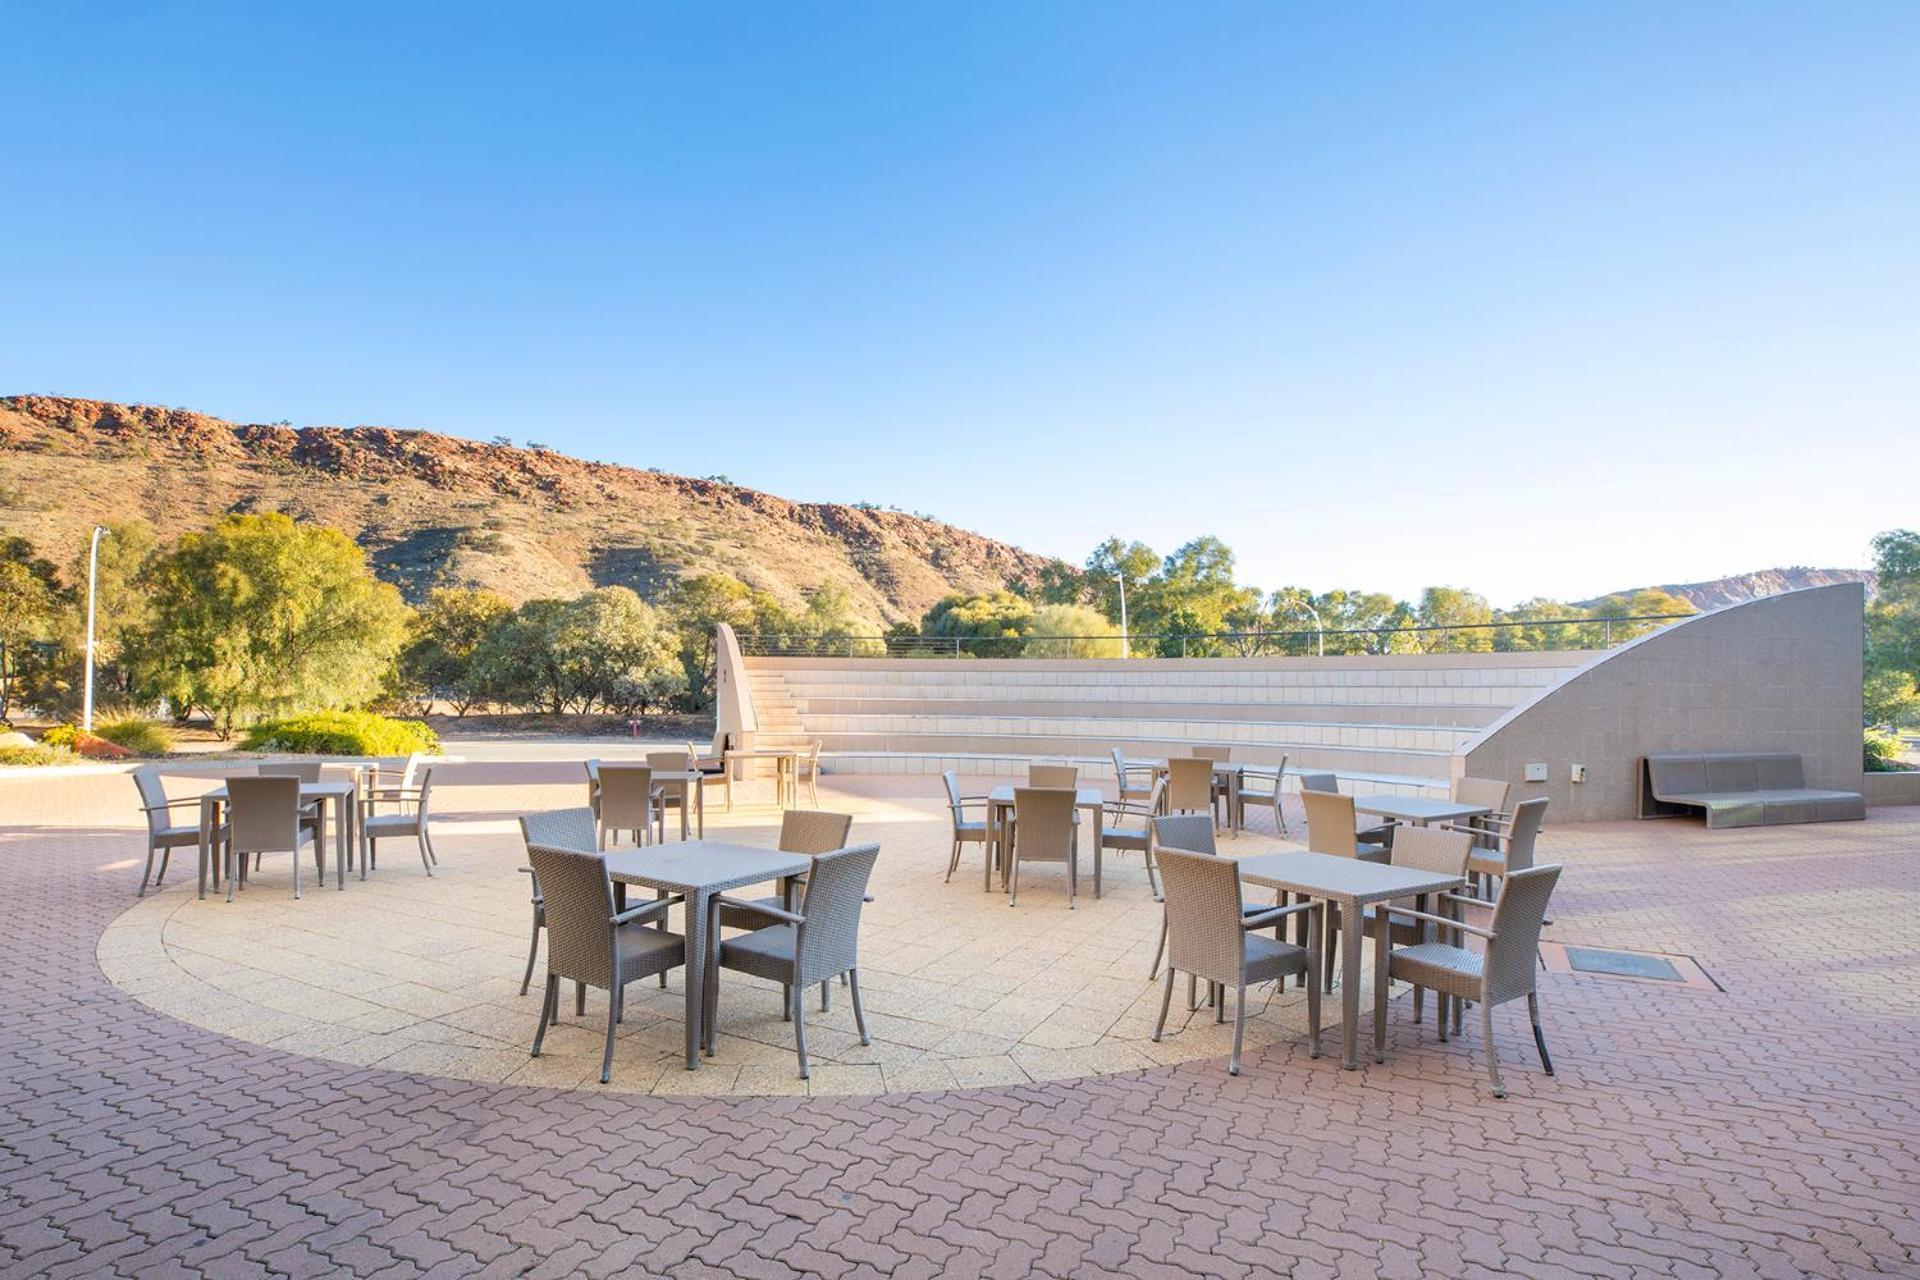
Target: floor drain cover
1623	964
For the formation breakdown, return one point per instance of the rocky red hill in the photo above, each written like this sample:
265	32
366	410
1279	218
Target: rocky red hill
435	510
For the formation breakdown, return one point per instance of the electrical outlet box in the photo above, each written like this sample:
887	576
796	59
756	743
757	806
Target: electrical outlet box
1578	773
1537	771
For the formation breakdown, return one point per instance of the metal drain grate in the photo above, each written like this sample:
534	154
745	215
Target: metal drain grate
1623	964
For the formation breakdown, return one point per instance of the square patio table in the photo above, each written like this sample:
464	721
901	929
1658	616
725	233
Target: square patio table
1350	885
698	869
693	796
1418	810
786	771
1000	800
1223	771
342	793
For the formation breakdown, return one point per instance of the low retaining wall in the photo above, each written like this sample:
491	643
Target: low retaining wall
1883	789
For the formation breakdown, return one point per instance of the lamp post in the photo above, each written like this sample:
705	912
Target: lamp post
1125	649
1319	632
93	568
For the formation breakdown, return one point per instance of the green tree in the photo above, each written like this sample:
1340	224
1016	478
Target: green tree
438	661
1543	629
32	617
1647	602
1893	631
260	615
992	625
697	606
1071	631
518	660
123	606
613	651
1454	607
1112	561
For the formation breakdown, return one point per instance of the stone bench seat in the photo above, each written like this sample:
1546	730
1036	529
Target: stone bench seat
1741	789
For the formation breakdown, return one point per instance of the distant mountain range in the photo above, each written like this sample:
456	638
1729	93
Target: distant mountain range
1751	586
435	510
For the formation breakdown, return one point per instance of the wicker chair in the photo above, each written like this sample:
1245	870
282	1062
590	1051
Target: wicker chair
712	768
411	820
1330	828
591	943
308	771
1504	971
1437	849
1222	792
558	829
965	830
1267	795
163	836
1124	772
593	788
817	943
1053	775
1319	780
1113	835
1190	833
808	767
627	803
1044	830
264	815
1210	937
1190	785
672	793
809	831
1505	845
1486	791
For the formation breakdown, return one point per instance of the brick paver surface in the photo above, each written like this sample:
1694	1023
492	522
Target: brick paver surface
1768	1130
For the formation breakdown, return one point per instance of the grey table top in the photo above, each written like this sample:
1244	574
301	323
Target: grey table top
308	790
1083	797
1418	808
690	866
1325	875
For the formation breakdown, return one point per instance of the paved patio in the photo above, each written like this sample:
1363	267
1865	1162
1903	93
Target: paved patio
1766	1129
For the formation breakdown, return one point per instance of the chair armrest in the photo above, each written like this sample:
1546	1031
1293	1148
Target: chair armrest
645	909
1444	921
1266	918
720	899
171	804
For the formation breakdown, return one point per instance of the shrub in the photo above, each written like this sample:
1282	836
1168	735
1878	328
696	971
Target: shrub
37	754
142	737
1882	754
342	733
61	735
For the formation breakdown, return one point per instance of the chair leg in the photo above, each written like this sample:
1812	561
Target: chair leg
1443	1014
953	862
826	996
1217	997
1539	1036
147	874
1166	1002
579	999
1160	951
798	1008
533	949
1239	1027
1493	1061
548	999
613	1016
1313	984
1013	891
166	860
426	854
860	1013
1382	980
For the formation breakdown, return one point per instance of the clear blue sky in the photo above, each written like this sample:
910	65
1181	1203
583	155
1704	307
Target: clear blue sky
1537	299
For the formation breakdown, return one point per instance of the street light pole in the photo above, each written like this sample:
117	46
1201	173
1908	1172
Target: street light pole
93	568
1319	632
1125	650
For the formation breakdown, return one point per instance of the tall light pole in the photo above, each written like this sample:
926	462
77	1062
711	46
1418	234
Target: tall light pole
93	571
1125	650
1319	632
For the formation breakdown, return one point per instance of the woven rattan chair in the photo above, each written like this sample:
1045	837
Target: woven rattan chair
1053	775
1319	780
264	815
1260	786
308	771
809	831
1190	785
163	835
593	788
808	767
1189	833
1044	830
1116	834
817	943
591	943
1504	844
411	820
712	767
1136	780
1222	792
966	831
1505	970
1487	791
1209	937
558	829
628	803
1330	828
1436	849
672	793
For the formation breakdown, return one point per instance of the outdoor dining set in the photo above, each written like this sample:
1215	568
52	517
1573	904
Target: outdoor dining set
1446	889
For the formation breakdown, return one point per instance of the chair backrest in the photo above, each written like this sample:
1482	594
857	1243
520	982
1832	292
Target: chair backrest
1432	849
263	813
426	791
579	904
1204	936
626	796
1330	823
411	770
1513	955
1527	816
669	761
1219	755
305	770
593	778
836	890
952	780
1119	766
1319	780
561	829
1187	832
1053	775
1043	823
152	796
1190	783
813	831
1276	773
1486	791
